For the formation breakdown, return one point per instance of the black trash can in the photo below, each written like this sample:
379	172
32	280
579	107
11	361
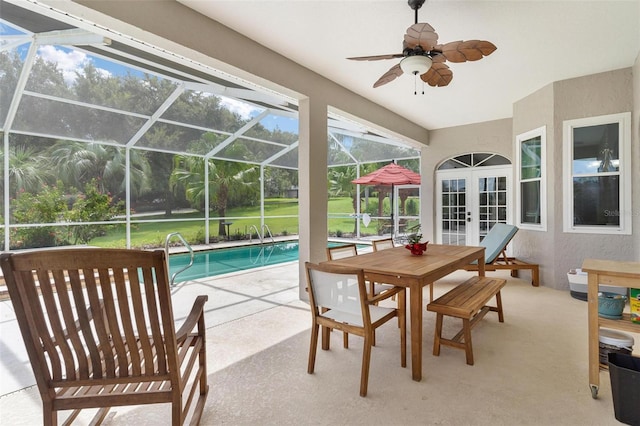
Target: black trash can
624	372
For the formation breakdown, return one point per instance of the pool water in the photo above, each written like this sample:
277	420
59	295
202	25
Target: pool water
222	261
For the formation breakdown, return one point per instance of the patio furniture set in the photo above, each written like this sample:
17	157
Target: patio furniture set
99	329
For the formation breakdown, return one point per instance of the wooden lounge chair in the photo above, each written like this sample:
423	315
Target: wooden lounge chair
495	243
99	331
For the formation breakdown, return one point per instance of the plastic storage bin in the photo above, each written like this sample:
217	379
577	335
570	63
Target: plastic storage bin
613	341
578	285
624	372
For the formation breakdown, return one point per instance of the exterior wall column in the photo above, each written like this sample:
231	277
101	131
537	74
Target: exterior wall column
312	183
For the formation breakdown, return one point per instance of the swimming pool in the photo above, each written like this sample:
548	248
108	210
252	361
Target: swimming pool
222	261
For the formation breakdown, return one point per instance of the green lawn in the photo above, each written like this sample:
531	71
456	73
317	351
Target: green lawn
191	225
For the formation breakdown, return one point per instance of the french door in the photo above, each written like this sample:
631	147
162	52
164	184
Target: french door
470	201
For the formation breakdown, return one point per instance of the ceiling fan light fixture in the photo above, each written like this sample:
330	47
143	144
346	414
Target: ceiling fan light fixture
416	65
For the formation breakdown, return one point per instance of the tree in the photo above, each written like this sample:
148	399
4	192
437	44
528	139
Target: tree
27	170
341	185
48	206
225	177
92	206
78	163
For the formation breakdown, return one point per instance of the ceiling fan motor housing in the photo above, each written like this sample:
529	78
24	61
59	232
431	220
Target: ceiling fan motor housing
416	4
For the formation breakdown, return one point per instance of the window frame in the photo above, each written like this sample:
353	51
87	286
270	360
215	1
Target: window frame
623	120
540	132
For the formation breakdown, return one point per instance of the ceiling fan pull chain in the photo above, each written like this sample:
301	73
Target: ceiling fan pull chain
415	84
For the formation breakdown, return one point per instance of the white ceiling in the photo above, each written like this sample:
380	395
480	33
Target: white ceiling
538	42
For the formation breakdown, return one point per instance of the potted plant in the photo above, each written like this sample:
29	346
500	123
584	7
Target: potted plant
414	244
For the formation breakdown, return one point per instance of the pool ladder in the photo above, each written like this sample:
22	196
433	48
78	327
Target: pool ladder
166	249
265	230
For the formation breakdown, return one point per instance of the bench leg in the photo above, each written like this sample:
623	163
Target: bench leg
499	307
466	327
438	335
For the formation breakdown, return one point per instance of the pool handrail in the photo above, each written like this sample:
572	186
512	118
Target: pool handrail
265	227
257	233
166	249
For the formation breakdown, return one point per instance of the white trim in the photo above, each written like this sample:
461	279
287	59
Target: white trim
624	132
542	133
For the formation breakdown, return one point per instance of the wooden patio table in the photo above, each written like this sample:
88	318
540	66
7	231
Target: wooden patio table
399	267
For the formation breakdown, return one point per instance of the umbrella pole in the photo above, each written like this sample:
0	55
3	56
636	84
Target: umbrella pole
393	223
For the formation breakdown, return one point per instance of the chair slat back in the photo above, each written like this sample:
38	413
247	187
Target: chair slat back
94	314
340	252
383	244
336	288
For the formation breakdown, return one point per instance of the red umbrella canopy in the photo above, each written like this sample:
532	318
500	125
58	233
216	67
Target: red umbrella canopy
391	174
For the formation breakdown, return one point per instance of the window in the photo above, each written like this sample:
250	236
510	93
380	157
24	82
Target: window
531	187
597	174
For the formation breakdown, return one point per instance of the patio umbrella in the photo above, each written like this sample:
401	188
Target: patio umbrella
391	174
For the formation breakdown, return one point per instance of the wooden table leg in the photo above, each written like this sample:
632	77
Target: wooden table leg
594	333
415	309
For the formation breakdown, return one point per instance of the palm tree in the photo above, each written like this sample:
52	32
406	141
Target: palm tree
26	170
78	163
225	177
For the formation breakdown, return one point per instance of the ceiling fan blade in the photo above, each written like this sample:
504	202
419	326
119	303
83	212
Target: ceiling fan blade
439	75
421	34
393	73
377	57
469	50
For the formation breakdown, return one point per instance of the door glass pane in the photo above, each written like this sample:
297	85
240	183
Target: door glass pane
453	212
492	203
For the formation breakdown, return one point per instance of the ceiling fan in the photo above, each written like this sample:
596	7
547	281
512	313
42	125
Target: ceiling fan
423	56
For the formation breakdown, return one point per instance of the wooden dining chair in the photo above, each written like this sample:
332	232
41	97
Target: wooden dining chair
348	250
99	331
383	244
339	300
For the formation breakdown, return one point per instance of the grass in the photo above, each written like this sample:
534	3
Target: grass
282	220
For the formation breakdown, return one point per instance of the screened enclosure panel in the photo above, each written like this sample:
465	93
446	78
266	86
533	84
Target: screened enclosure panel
180	139
367	150
207	110
287	160
62	120
121	87
275	128
88	111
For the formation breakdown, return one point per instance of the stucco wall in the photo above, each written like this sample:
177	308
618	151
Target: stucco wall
590	96
554	250
532	112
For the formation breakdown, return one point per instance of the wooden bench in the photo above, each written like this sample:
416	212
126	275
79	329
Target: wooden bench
467	301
